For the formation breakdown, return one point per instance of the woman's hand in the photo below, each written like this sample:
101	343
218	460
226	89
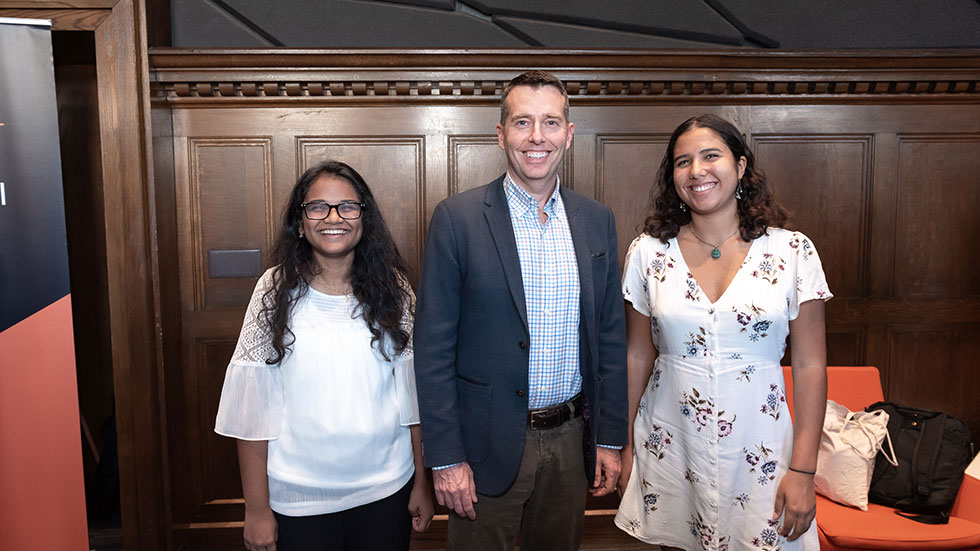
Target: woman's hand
420	504
626	457
261	530
796	502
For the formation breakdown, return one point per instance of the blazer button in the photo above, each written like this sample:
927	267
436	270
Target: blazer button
523	345
519	392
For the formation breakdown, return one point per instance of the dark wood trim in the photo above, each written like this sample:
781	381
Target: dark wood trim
123	105
223	77
158	23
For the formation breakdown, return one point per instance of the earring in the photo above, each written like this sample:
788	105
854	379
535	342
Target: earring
301	234
738	190
683	206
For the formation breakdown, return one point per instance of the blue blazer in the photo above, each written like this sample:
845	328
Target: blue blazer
472	340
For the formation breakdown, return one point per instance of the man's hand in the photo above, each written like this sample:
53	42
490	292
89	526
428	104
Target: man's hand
607	467
455	489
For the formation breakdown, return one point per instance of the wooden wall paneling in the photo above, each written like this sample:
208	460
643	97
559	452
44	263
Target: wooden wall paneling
131	265
158	23
78	121
882	246
133	270
933	366
437	180
627	166
584	157
179	415
846	345
825	183
937	216
224	197
229	198
220	482
394	168
474	161
618	153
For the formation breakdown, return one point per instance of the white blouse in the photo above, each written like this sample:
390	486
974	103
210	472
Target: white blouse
334	411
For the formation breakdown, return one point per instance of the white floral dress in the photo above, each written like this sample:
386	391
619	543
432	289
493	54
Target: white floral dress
712	435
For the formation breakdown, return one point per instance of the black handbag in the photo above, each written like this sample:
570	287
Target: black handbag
933	451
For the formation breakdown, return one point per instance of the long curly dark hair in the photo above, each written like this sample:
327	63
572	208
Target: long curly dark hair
757	209
378	274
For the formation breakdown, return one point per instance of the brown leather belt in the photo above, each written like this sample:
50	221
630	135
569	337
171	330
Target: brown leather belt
555	416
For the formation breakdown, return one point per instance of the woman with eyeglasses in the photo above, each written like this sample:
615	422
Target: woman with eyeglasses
320	391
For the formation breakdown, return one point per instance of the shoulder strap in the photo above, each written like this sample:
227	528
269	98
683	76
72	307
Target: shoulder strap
925	455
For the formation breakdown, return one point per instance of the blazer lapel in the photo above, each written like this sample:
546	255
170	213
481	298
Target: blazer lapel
578	226
498	218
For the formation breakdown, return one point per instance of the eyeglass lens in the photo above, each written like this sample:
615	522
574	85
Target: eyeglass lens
319	210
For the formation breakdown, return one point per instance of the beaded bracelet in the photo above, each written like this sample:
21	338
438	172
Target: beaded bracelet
811	473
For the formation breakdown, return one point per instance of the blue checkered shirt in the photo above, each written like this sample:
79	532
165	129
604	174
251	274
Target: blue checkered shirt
551	293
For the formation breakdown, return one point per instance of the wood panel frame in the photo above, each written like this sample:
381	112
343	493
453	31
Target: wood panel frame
132	270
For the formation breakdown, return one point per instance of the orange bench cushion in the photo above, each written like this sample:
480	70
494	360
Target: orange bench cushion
880	528
854	387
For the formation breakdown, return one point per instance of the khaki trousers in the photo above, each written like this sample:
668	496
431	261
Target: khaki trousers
545	505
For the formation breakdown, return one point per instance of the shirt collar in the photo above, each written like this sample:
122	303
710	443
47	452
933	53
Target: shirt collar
520	201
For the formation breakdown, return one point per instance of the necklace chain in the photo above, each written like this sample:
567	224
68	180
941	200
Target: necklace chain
344	289
715	251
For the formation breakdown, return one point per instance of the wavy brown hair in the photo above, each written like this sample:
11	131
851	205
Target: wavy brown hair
757	209
378	274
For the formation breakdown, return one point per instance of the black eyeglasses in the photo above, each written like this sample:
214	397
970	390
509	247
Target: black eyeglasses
320	210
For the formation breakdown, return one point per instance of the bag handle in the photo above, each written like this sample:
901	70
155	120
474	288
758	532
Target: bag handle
862	423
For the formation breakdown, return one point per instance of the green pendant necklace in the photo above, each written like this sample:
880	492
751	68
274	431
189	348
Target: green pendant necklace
715	251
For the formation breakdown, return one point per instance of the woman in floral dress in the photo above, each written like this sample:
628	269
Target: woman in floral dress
715	287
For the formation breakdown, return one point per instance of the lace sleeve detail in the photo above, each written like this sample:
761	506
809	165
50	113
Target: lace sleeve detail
252	395
404	366
255	341
408	319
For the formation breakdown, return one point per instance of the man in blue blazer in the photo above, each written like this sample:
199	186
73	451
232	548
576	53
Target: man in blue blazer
520	342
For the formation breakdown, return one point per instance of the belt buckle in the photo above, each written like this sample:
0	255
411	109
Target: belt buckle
549	418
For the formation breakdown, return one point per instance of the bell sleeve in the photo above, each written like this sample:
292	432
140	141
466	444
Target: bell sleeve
252	395
404	369
811	283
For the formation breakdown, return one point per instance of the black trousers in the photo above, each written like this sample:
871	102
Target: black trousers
384	525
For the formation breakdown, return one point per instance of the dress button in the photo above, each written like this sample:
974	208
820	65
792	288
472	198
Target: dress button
519	392
523	345
711	311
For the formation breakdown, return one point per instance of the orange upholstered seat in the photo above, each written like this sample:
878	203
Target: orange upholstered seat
843	528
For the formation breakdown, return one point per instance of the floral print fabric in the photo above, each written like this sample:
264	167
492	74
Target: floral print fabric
713	435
